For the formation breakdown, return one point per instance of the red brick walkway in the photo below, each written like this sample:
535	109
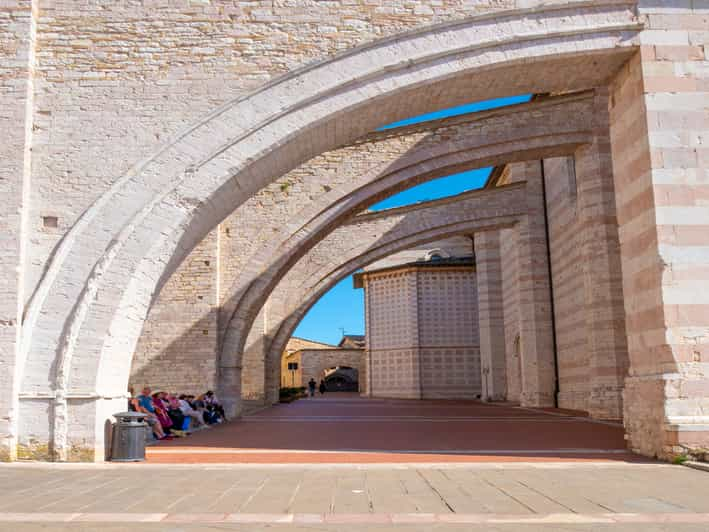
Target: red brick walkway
343	428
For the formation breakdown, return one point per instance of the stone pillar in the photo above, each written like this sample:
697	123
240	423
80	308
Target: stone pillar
602	278
253	362
535	318
488	266
272	377
17	55
659	120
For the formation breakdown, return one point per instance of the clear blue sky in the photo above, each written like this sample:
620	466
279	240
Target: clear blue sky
342	307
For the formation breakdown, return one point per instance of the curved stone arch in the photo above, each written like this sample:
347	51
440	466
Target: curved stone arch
305	295
348	357
254	294
377	235
518	133
86	314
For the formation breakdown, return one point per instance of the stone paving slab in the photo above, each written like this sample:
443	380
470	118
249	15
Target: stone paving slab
550	496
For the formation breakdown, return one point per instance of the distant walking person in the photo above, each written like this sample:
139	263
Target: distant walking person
322	387
311	387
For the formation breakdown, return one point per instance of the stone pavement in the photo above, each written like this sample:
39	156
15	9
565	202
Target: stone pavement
372	465
373	497
340	428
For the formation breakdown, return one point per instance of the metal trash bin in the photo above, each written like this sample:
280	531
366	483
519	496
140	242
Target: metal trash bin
128	443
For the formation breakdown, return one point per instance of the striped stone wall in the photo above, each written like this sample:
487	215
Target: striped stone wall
488	266
569	294
658	117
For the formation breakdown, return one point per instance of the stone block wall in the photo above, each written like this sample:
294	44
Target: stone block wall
422	333
510	308
177	350
17	57
568	282
658	122
114	81
509	245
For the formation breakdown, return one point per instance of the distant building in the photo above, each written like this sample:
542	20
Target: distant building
341	367
354	341
422	326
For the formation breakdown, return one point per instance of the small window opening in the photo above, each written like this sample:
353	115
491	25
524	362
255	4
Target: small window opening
50	222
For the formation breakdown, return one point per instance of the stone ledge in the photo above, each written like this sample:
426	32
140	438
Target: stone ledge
701	466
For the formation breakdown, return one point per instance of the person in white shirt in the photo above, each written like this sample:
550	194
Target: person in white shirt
187	410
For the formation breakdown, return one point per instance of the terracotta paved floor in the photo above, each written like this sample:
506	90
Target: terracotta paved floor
346	428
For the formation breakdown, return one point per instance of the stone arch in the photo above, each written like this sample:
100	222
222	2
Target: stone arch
86	314
528	135
380	234
453	144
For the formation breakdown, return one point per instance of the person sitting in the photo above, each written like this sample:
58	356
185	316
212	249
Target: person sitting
161	412
144	404
214	405
200	406
187	410
174	411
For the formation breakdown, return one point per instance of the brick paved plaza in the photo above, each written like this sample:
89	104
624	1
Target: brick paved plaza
343	427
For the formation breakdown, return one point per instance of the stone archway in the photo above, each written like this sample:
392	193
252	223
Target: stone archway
554	127
89	307
380	234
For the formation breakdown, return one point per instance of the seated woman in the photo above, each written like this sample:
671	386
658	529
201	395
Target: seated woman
161	412
173	410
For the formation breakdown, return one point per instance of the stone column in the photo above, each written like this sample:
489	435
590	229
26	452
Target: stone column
535	318
17	55
488	266
253	362
602	277
658	116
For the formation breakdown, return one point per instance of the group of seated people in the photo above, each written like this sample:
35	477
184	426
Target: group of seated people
170	415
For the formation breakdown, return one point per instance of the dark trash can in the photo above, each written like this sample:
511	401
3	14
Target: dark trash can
128	444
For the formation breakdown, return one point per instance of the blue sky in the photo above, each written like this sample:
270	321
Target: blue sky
342	307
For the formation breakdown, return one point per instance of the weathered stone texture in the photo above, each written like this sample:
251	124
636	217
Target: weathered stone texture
535	313
510	304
